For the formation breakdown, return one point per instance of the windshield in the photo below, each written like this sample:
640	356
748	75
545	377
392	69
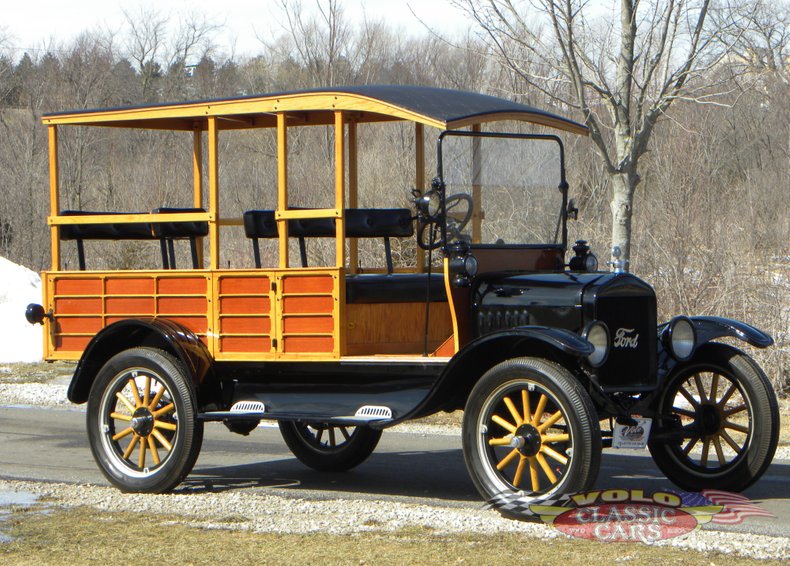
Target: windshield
503	188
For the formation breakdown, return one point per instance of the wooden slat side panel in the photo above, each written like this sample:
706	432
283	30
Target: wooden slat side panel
182	286
244	285
309	311
78	286
243	315
244	344
244	325
307	305
308	325
308	344
129	286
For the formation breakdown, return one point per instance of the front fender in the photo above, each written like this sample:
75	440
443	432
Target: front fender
478	356
711	327
131	333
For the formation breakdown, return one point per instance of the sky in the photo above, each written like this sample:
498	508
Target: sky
31	24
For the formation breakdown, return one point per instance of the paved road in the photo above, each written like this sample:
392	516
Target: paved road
51	445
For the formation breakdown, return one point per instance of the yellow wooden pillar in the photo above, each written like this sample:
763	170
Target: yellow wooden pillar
54	196
340	190
213	190
282	186
419	178
353	190
197	179
477	172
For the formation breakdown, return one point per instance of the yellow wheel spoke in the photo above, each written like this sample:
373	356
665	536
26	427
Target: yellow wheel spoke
157	397
121	417
513	411
692	443
130	448
700	388
734	410
554	454
549	438
147	391
164	410
719	451
162	440
153	450
525	405
135	393
504	441
733	426
546	468
503	423
550	421
122	398
539	410
507	459
519	471
728	439
141	461
705	450
684	412
125	432
165	426
533	474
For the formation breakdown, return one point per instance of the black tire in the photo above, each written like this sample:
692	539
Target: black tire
557	449
319	446
145	439
728	413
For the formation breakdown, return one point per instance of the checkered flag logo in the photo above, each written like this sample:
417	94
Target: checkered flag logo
519	504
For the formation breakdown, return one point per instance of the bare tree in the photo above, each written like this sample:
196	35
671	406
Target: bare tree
621	70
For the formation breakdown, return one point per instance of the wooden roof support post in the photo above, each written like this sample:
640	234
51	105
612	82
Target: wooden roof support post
419	178
54	195
213	190
282	186
340	190
477	175
197	179
353	193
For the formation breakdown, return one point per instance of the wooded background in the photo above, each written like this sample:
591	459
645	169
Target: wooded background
711	226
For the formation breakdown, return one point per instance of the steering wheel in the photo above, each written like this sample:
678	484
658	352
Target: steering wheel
456	221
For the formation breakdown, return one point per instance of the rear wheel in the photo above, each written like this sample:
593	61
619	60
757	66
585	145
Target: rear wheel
329	448
142	423
725	417
530	431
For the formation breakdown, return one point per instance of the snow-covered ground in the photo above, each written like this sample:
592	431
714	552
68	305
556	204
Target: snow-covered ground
19	341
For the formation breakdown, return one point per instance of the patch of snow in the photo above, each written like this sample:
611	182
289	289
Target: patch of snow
19	341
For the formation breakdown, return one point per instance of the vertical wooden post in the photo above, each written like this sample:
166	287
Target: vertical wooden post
340	191
282	186
353	193
419	178
213	190
54	196
477	172
197	179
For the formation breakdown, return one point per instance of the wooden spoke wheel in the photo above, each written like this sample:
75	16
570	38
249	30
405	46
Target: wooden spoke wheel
329	448
722	409
531	430
141	421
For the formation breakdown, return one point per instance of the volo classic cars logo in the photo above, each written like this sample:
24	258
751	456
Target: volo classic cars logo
622	515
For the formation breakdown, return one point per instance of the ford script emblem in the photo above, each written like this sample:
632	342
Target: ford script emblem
626	338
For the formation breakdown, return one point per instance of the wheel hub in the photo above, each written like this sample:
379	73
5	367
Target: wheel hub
708	419
527	440
142	421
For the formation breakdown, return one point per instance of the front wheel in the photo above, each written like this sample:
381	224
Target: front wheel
530	431
722	414
329	448
142	423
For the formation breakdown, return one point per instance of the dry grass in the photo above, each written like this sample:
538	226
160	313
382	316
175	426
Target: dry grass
39	372
85	536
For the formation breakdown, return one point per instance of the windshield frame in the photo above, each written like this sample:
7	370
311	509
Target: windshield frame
561	229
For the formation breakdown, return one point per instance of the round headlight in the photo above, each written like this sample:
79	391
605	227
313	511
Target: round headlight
597	334
682	338
430	204
470	265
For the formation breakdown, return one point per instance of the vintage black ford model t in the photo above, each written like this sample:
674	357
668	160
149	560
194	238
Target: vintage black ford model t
492	314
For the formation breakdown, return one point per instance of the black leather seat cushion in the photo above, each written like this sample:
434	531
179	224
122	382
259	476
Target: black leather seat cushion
360	223
394	288
192	229
109	231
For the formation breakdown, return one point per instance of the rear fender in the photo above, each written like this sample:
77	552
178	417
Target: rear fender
132	333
